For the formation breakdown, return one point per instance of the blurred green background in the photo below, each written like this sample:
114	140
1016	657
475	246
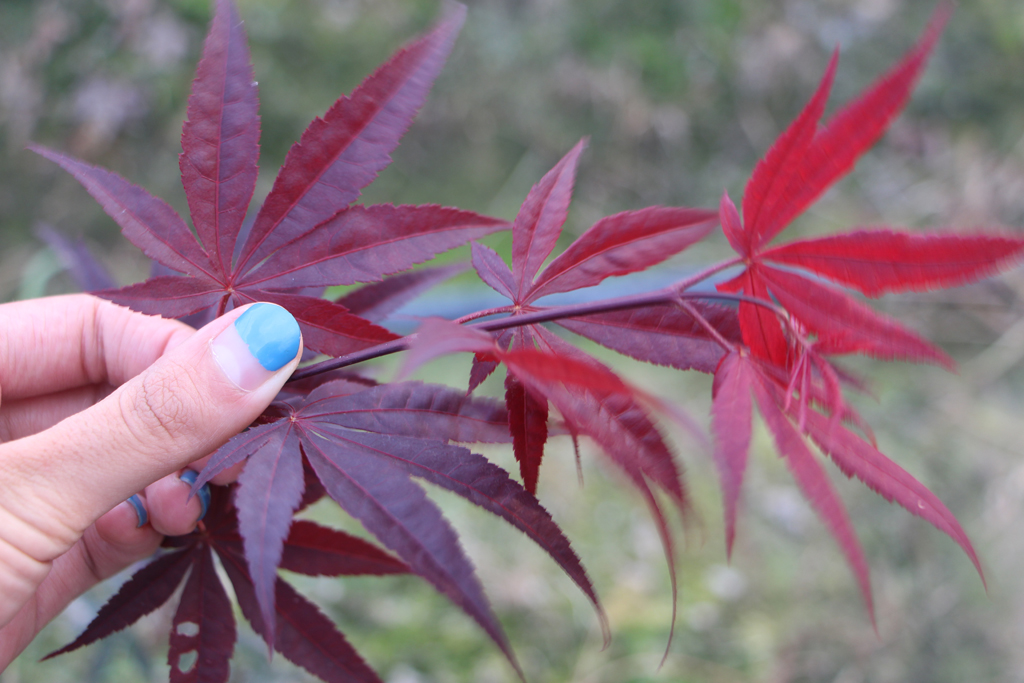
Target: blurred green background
680	99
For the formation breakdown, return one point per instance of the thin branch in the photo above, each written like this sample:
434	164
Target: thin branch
670	295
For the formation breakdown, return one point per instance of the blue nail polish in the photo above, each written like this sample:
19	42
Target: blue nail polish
271	334
189	477
140	510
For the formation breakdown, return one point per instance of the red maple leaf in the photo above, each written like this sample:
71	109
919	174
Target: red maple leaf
592	400
307	234
790	319
804	162
617	245
203	630
365	445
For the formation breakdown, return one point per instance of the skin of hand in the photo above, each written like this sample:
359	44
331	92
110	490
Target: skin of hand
98	403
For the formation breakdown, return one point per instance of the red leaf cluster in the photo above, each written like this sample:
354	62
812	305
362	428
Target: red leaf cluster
307	235
617	245
203	630
364	444
794	319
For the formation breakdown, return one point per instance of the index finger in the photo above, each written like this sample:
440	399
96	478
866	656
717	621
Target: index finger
63	342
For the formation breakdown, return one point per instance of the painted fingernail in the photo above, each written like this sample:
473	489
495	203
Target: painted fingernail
140	510
189	477
261	341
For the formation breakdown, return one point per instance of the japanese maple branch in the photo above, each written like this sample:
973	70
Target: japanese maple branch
669	295
656	298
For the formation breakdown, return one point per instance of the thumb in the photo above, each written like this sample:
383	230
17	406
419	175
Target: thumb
183	407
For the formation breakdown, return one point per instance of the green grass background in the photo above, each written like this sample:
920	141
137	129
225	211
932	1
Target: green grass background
679	99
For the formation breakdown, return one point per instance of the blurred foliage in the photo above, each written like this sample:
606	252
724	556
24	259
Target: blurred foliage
679	99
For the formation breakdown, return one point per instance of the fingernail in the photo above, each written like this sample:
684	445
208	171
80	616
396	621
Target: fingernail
140	510
189	477
261	341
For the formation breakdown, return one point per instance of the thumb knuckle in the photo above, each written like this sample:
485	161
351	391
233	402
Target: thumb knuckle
164	407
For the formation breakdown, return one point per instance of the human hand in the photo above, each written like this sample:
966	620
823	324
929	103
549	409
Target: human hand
98	403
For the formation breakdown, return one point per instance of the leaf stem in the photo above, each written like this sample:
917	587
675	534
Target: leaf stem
689	308
484	314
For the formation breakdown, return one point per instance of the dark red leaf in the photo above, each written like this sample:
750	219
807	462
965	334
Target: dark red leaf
598	404
816	487
345	382
304	635
149	587
594	402
527	416
850	132
664	335
364	243
203	629
483	367
148	223
624	243
765	196
528	423
437	337
493	270
484	364
857	458
732	226
241	446
378	300
269	491
169	295
848	323
343	152
220	139
731	412
359	473
316	550
760	326
831	395
582	372
539	223
488	486
312	490
542	338
876	262
281	261
426	411
430	413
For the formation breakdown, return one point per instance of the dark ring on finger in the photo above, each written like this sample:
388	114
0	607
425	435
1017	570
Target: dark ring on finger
140	510
189	477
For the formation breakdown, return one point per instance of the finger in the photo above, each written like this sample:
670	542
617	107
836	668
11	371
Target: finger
62	342
183	407
29	416
113	543
171	511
